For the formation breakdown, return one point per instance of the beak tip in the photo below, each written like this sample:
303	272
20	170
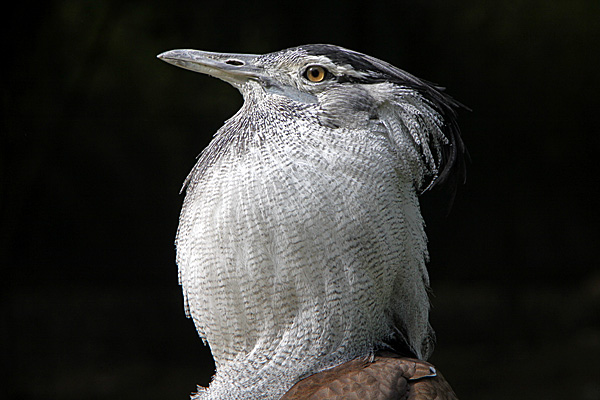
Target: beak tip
162	56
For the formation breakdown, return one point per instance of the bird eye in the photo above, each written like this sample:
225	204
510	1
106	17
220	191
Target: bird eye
315	73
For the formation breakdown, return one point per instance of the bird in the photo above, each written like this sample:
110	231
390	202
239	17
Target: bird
301	247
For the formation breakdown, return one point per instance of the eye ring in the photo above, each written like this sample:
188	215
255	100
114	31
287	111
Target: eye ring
315	73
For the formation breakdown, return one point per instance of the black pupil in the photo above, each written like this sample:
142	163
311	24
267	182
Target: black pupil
315	72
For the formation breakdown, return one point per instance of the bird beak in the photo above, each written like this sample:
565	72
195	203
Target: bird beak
232	68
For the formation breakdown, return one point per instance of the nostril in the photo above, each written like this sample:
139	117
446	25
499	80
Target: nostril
234	62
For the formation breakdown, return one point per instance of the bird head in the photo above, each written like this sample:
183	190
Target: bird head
351	90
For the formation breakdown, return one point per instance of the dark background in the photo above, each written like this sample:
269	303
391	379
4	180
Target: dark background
98	136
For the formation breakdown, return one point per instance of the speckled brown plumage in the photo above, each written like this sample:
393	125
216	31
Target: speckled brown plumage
387	377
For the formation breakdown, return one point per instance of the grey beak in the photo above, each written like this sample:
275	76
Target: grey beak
232	68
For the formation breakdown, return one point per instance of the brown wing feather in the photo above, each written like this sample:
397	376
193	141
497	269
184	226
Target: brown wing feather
387	377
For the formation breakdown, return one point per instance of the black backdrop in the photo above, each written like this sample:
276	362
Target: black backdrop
98	135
